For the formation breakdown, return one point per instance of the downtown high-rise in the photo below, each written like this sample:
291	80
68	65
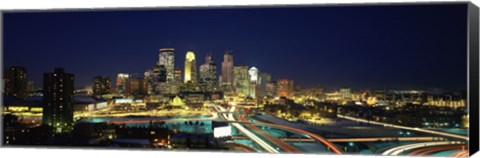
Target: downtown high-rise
58	107
241	80
166	57
101	85
16	82
208	73
121	84
190	73
227	71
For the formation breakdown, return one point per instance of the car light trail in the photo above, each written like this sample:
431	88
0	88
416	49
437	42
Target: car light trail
247	133
403	127
403	148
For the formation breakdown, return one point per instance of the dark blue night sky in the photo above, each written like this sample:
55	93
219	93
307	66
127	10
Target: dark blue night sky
401	46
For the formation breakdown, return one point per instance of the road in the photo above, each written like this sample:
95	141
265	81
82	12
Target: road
404	148
248	133
285	146
405	127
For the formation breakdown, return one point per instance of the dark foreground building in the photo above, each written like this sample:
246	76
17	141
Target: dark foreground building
58	100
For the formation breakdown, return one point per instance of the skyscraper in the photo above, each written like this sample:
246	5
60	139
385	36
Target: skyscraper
241	80
58	100
177	75
167	59
30	88
122	83
137	86
285	88
254	82
208	72
271	89
190	68
227	71
16	82
101	85
264	79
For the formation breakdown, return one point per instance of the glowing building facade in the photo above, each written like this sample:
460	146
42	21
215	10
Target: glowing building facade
271	89
208	72
190	68
161	78
254	82
227	71
241	80
122	83
58	100
101	85
264	79
177	75
345	93
285	88
167	59
137	86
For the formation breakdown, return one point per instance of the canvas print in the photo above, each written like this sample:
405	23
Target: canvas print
354	79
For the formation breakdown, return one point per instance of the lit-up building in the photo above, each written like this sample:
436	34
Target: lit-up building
271	89
16	82
254	82
158	78
241	80
264	79
285	88
137	86
122	82
58	100
101	85
177	75
227	78
345	93
167	59
208	72
190	68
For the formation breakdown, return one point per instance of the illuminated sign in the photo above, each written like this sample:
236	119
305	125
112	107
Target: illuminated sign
223	131
123	101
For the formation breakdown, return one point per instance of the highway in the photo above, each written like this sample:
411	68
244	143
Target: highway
404	127
430	150
285	146
400	149
246	132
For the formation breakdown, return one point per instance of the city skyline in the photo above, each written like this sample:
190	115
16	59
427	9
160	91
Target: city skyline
366	62
375	80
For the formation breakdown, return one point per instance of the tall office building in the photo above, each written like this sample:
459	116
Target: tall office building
241	80
254	82
285	88
58	100
30	88
345	93
208	73
271	89
227	69
137	86
16	82
264	79
122	83
101	85
177	75
167	59
190	68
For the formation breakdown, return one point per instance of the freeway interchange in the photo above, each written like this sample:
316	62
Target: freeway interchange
305	139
